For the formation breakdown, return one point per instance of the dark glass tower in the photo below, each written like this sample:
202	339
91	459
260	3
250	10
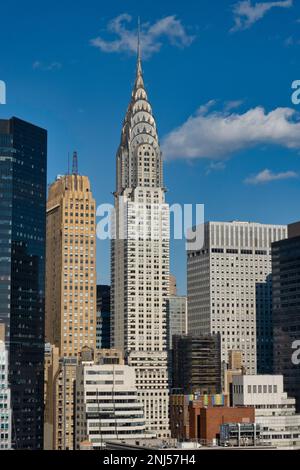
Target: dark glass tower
103	316
23	160
286	310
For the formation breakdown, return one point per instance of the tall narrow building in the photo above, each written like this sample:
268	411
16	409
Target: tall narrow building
140	258
286	308
71	264
23	166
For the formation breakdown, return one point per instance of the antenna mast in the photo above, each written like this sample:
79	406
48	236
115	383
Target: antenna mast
75	164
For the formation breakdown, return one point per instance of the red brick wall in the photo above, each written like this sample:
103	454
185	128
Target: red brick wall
210	419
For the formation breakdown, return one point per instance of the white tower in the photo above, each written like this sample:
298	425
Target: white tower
140	258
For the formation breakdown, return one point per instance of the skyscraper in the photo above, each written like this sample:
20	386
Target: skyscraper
286	310
140	258
230	289
71	265
23	166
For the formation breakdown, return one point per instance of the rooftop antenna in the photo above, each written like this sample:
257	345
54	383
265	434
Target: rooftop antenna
75	164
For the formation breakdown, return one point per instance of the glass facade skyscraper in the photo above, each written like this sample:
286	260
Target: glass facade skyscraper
286	310
23	163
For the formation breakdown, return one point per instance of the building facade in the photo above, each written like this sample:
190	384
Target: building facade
5	398
23	166
172	285
59	406
140	258
176	317
107	405
103	317
71	265
230	289
286	310
274	411
182	412
197	364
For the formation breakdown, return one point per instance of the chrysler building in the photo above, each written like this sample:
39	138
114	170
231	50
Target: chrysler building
140	257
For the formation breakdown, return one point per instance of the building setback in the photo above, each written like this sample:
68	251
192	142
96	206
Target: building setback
286	310
71	265
197	364
140	258
230	289
23	166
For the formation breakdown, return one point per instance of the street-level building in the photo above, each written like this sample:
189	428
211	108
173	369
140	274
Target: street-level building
275	412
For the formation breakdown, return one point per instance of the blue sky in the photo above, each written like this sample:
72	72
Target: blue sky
218	75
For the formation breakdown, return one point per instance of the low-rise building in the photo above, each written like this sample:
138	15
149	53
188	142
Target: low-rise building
274	411
199	417
106	402
240	434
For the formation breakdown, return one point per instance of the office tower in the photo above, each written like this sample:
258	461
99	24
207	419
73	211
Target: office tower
103	317
23	165
5	398
286	310
197	364
107	404
172	285
71	264
230	289
176	317
274	410
140	258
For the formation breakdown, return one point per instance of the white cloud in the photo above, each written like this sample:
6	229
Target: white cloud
246	14
217	134
266	176
151	35
46	67
215	166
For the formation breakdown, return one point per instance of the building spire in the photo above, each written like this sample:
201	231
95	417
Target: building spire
139	56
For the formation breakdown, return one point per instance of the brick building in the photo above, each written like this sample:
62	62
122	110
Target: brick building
200	416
